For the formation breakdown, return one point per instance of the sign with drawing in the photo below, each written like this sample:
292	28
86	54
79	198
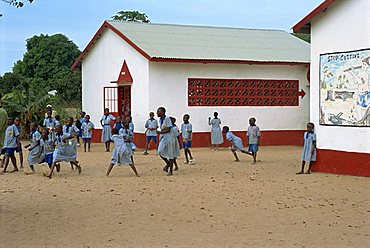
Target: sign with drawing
345	88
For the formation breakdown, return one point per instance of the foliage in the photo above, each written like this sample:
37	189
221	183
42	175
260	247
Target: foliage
16	3
131	16
8	82
303	36
46	64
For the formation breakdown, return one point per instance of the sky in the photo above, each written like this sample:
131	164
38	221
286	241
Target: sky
80	19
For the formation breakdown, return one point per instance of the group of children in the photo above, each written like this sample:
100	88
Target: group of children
57	143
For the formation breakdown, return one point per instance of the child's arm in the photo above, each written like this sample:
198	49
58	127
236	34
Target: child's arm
209	120
26	146
33	147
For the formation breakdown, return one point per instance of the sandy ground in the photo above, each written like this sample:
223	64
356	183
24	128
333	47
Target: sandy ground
216	203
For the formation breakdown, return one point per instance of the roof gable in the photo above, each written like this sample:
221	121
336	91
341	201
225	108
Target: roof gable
201	44
304	25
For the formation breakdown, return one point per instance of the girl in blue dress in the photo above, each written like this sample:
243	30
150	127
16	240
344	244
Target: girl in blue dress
105	121
309	148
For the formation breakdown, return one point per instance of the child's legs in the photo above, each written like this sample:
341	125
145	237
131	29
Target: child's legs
303	164
170	166
110	167
84	141
254	154
235	155
5	162
132	159
52	169
186	155
89	144
21	158
188	150
165	160
14	162
310	165
175	164
134	169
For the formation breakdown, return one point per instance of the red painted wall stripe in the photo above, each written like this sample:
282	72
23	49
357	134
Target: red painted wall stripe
203	139
345	163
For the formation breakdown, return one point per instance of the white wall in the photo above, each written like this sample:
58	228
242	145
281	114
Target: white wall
345	26
102	65
168	86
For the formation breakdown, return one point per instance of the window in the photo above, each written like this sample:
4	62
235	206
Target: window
111	99
242	92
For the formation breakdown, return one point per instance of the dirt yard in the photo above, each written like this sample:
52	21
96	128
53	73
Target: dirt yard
215	203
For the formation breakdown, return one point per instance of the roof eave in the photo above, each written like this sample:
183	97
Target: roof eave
304	25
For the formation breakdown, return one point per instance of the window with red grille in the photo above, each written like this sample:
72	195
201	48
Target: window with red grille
242	92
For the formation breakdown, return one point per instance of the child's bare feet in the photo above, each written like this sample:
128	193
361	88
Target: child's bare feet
165	169
137	175
299	173
176	168
169	174
14	170
236	160
79	169
307	172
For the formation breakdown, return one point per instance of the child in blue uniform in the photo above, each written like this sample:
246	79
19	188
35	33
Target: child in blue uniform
73	131
309	148
216	133
128	136
10	145
17	123
236	142
49	122
105	121
176	133
34	147
253	135
151	126
167	140
118	123
47	148
64	151
120	154
86	129
187	136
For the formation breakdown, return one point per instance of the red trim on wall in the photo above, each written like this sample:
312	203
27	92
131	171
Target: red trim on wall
304	25
203	139
223	61
340	162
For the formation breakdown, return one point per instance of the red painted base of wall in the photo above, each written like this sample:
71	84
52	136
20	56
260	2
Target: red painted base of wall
203	139
346	163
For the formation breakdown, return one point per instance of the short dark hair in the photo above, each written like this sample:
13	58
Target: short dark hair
163	109
226	128
310	123
187	115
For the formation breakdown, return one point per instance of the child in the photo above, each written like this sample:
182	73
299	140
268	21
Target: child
19	150
57	121
187	134
87	128
253	135
176	133
47	148
34	147
236	142
167	140
128	136
82	121
151	126
105	122
49	122
73	131
10	145
64	151
216	134
118	124
120	154
309	148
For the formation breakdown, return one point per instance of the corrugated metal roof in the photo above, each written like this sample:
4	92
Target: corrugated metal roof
214	43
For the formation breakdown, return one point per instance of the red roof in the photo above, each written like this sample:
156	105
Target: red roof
304	25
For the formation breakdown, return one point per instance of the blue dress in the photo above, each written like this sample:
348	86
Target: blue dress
237	142
33	155
120	154
106	134
216	133
309	141
64	151
168	143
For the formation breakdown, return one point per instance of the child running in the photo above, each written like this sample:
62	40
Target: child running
216	134
236	142
19	150
309	149
33	147
73	131
151	126
167	140
118	123
105	121
87	128
128	136
187	134
49	122
64	151
10	145
47	148
120	154
253	135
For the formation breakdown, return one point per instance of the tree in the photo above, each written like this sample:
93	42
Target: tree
8	82
18	4
46	66
302	36
131	16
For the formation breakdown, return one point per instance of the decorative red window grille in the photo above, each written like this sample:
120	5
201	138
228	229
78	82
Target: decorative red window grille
111	99
242	92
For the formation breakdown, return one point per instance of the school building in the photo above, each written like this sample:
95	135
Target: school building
340	95
238	72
